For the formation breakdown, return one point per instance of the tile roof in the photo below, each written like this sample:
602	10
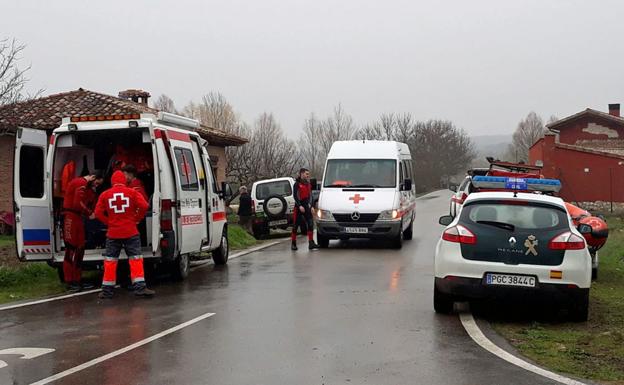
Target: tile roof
46	113
587	112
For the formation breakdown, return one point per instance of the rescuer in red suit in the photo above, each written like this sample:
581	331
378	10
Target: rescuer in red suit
302	213
77	205
121	208
133	182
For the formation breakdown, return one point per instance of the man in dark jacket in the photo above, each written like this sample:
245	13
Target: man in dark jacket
245	211
302	213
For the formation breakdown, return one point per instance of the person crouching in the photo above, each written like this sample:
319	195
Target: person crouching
121	208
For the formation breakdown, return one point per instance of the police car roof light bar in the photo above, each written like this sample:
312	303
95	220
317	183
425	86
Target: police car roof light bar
517	184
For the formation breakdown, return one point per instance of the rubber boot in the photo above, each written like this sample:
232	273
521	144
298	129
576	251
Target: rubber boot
141	290
293	246
107	292
312	245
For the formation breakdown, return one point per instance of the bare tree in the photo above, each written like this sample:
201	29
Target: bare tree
528	131
165	103
12	76
312	155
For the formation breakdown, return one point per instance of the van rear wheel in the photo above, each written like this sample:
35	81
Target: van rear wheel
181	267
323	241
221	254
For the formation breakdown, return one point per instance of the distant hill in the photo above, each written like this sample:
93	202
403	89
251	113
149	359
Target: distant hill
489	145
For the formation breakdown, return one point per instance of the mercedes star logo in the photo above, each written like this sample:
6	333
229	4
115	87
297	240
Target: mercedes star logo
355	216
512	242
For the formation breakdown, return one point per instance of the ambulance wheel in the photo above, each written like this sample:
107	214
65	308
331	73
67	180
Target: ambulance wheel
323	242
397	242
594	273
181	267
408	234
221	254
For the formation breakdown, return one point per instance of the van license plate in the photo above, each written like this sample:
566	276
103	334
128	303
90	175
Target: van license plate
277	223
510	280
356	230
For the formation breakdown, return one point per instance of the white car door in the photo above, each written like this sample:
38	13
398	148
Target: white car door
31	194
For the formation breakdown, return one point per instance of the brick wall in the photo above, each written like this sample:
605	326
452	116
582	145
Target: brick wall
7	147
218	152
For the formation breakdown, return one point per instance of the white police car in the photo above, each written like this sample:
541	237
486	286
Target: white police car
504	243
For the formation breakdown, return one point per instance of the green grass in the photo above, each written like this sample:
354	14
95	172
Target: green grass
239	238
595	349
6	240
30	280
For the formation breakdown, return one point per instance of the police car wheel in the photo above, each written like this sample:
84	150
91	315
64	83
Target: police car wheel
579	307
594	273
442	303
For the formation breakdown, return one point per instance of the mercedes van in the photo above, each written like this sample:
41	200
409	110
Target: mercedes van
367	192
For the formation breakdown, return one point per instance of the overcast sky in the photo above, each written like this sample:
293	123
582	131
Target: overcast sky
482	64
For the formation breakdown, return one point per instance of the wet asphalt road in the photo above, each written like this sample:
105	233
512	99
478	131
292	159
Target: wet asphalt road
356	313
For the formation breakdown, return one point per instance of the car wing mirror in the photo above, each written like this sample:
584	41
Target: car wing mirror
584	228
407	185
446	220
314	184
453	187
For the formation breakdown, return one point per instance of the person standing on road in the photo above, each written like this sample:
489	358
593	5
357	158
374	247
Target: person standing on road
302	213
245	210
121	208
77	206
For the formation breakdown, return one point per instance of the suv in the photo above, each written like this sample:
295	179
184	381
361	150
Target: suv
273	202
461	192
507	243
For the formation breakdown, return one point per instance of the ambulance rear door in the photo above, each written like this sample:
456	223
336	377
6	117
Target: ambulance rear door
32	196
190	193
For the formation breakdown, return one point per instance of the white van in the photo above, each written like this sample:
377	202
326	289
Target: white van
367	192
187	209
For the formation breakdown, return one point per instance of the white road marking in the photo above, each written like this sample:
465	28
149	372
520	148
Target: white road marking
27	353
116	353
239	254
477	336
37	302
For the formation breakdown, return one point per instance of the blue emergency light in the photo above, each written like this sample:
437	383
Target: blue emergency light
516	184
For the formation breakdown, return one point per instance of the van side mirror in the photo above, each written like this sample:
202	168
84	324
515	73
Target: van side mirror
584	228
314	184
446	220
407	185
453	187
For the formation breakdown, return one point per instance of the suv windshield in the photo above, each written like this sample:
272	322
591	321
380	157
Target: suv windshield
281	188
360	173
524	216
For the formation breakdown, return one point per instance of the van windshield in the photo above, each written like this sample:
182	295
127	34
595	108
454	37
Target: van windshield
361	173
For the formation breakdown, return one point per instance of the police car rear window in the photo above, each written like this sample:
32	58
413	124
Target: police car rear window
523	215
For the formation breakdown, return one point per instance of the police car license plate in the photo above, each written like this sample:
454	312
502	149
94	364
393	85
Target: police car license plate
356	230
509	280
277	223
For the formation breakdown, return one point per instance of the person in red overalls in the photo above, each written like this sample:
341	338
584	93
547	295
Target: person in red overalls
121	208
77	205
302	213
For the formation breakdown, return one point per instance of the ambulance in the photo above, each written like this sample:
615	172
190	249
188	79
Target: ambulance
187	208
367	192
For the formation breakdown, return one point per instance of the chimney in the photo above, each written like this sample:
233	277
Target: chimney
137	96
614	109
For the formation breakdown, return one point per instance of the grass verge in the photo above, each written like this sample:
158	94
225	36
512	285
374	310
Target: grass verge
594	349
239	238
30	280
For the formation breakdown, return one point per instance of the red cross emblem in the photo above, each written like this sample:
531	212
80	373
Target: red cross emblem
356	198
119	203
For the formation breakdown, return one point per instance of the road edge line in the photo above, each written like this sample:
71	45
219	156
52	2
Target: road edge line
239	254
471	327
123	350
49	299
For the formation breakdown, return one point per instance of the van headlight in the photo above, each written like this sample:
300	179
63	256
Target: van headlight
388	215
324	215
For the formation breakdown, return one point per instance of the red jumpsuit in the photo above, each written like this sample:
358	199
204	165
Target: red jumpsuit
302	192
137	185
121	208
75	207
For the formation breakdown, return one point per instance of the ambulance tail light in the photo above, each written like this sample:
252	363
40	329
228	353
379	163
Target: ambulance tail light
166	217
567	241
459	234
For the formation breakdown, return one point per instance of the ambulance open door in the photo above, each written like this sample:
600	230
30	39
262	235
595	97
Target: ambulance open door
31	196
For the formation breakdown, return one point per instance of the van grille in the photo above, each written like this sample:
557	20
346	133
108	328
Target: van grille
364	218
